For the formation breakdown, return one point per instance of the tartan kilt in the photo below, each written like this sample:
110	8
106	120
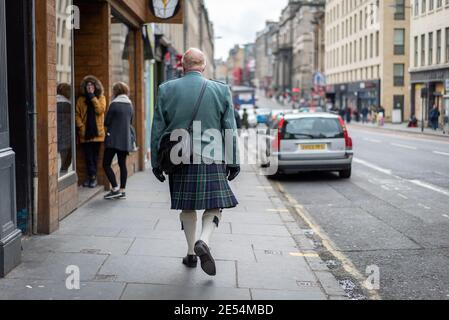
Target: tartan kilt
201	187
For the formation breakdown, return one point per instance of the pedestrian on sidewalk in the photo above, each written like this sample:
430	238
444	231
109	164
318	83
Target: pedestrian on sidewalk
201	186
90	110
119	138
434	117
365	113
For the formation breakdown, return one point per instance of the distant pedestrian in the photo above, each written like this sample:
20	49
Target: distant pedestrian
90	110
238	119
365	112
434	117
201	186
245	119
119	139
348	114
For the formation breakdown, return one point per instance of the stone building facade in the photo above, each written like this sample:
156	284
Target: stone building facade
367	56
429	58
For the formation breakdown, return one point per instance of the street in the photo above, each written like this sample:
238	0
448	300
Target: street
392	214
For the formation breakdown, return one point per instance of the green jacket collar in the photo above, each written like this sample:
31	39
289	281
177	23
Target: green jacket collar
193	74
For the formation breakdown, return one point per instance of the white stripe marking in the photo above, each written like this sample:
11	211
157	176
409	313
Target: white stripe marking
390	173
404	146
423	206
402	196
446	216
441	153
373	166
372	140
430	187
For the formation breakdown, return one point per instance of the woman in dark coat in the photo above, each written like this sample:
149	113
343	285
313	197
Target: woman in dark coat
119	139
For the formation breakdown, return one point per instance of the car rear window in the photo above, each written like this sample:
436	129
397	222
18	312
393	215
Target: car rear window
313	128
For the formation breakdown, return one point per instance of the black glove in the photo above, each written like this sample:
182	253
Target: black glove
233	172
159	174
90	96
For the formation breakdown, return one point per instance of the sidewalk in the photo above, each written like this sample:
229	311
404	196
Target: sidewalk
132	250
403	128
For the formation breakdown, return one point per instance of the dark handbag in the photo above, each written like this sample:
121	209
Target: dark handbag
166	145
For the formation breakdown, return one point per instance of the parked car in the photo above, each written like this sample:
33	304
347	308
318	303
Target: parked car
306	142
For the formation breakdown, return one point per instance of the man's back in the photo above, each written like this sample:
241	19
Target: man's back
176	104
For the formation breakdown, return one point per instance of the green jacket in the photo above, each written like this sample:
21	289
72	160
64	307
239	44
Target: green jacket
175	108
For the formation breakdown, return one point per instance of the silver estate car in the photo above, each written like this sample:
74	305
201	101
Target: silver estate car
310	142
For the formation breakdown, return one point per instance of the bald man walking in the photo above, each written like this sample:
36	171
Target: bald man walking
201	186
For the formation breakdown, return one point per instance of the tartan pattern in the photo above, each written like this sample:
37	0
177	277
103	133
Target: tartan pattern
201	187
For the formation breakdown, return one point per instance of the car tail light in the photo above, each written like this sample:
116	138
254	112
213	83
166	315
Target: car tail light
348	139
276	146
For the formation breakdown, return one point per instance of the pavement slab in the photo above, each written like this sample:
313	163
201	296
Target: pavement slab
133	249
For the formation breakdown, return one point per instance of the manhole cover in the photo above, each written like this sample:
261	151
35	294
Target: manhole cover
273	253
306	284
105	277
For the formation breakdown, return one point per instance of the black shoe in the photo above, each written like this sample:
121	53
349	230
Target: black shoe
113	195
207	261
191	261
93	183
86	184
122	196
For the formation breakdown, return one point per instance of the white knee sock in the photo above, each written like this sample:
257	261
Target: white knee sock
210	220
189	219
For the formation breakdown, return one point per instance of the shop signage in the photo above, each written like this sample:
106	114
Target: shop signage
166	11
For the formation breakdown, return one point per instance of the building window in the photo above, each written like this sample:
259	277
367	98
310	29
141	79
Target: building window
377	44
400	10
399	41
447	40
431	4
430	48
438	46
371	43
416	51
416	8
366	47
361	49
399	75
423	6
423	50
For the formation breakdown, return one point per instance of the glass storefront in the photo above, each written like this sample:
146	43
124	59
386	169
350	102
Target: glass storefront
65	89
122	47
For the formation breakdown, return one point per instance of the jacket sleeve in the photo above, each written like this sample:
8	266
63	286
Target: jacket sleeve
158	128
109	115
230	126
100	105
78	115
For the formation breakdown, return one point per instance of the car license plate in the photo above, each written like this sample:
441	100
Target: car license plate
312	147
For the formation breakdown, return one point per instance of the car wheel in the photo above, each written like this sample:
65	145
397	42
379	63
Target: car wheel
275	176
345	174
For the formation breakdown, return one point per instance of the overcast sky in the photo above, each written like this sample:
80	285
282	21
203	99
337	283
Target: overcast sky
237	21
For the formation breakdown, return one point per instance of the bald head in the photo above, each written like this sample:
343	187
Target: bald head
194	60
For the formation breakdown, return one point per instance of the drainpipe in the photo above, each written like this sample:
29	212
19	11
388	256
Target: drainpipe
34	124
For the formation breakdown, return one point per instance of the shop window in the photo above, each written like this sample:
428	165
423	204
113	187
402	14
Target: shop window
122	47
64	91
